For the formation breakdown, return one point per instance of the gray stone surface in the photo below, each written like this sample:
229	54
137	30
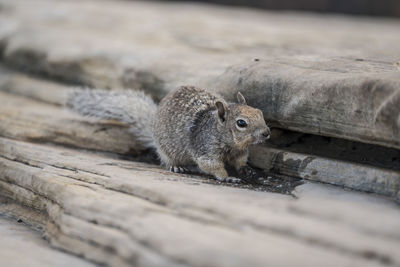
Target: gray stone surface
328	75
33	87
22	246
27	119
24	119
126	213
356	100
338	172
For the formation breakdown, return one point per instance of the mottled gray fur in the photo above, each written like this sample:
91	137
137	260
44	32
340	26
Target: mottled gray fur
195	127
190	128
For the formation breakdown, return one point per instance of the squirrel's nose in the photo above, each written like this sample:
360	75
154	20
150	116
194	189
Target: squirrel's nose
267	133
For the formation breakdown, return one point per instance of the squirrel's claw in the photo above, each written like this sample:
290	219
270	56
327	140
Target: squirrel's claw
176	169
232	180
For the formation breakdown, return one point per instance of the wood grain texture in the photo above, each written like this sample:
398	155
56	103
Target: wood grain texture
327	75
29	120
332	75
342	173
126	213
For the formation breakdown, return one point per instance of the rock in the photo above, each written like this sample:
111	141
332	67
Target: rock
328	75
25	119
31	87
17	237
125	213
373	7
351	100
352	175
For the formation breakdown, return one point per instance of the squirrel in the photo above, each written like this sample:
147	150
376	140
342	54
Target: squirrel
190	127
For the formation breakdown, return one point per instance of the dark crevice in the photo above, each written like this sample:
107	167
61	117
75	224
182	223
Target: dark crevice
34	63
335	148
18	160
389	8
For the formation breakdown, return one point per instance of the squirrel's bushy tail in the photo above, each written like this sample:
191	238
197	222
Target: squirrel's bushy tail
134	108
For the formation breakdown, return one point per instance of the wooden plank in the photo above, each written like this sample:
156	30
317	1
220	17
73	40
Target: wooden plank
16	237
316	168
33	87
343	84
128	213
24	119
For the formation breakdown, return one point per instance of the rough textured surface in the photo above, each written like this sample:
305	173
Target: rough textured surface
358	100
342	173
328	75
314	74
367	7
126	213
17	237
33	87
22	118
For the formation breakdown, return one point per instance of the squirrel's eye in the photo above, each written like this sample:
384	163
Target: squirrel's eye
241	123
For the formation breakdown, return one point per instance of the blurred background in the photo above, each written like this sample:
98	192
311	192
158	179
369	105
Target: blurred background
360	7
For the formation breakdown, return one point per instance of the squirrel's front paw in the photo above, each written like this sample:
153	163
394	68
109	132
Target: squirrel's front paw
177	169
230	179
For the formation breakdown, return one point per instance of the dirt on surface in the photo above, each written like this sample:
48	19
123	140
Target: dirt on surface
252	178
273	183
256	179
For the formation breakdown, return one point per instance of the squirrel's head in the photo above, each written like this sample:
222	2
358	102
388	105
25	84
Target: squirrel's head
245	125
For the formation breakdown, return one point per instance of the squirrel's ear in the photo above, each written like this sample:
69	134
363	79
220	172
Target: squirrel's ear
241	99
222	111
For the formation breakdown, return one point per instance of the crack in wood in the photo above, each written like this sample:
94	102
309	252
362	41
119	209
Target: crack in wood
182	210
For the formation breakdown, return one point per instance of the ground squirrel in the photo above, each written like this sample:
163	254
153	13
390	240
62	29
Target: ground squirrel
190	128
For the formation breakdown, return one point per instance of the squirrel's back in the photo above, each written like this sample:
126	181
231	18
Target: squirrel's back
175	116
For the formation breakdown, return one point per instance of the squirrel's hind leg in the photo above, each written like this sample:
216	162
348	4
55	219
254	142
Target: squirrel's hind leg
170	164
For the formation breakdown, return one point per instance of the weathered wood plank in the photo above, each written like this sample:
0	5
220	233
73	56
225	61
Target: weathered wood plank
123	212
332	171
25	119
17	238
33	87
29	120
322	97
343	84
